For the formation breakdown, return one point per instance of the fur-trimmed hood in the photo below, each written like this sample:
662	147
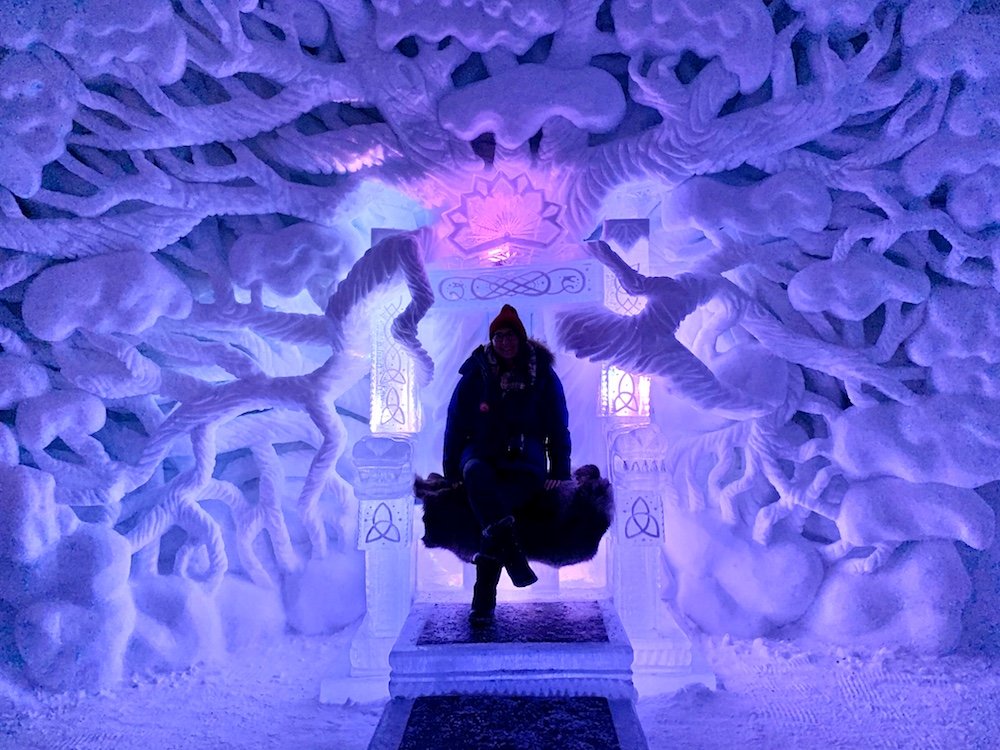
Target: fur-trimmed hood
479	360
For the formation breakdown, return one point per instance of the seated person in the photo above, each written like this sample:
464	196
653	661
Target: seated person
506	416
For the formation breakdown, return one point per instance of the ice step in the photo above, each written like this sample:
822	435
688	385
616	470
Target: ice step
533	648
478	722
544	675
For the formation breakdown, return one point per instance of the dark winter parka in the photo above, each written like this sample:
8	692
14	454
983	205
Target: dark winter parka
492	420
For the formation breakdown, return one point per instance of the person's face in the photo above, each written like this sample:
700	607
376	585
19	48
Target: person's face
506	343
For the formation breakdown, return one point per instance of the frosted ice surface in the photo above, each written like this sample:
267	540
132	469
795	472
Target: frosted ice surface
923	17
968	45
68	583
945	154
959	322
176	625
20	379
287	259
970	202
326	594
976	107
182	185
31	526
739	32
967	375
100	34
847	15
515	103
479	24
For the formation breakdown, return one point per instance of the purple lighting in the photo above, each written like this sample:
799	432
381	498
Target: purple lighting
500	218
246	246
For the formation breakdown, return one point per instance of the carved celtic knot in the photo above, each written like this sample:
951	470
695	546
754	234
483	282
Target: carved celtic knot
383	526
626	400
528	283
392	409
628	304
641	521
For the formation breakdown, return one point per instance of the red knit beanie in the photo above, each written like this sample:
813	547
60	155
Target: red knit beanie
508	319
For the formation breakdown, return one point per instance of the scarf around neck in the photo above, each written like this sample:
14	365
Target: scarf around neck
517	378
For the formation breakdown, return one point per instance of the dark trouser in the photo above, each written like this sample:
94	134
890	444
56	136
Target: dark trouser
496	492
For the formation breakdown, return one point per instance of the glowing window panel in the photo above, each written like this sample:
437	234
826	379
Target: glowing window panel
624	394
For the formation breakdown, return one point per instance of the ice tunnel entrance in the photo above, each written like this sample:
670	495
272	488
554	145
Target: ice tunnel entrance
610	423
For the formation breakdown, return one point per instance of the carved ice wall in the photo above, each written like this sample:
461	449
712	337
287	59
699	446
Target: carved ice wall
183	185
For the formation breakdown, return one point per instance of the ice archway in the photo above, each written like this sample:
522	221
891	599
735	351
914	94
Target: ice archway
187	190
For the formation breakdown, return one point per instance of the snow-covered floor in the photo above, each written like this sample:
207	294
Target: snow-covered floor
772	695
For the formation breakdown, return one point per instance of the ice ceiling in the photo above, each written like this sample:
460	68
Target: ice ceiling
184	184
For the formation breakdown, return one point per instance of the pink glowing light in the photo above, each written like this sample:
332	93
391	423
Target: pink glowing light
501	254
499	217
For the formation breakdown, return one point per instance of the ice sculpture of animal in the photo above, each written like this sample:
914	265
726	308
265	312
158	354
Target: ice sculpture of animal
69	415
853	288
776	206
886	511
38	99
914	602
116	293
942	440
948	439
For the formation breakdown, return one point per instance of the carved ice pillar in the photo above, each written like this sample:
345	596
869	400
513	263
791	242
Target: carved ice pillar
663	656
624	405
637	475
384	489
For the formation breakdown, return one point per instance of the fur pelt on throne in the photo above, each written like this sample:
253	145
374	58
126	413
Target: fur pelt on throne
557	527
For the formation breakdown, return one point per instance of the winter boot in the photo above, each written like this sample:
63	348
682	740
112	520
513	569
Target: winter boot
500	544
484	593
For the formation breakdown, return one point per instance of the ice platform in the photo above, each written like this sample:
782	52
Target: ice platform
545	674
533	648
480	722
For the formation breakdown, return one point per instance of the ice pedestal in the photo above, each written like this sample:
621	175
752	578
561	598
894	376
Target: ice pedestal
541	668
533	648
665	657
384	490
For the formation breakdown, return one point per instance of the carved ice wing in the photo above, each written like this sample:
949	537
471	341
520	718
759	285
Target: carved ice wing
641	344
